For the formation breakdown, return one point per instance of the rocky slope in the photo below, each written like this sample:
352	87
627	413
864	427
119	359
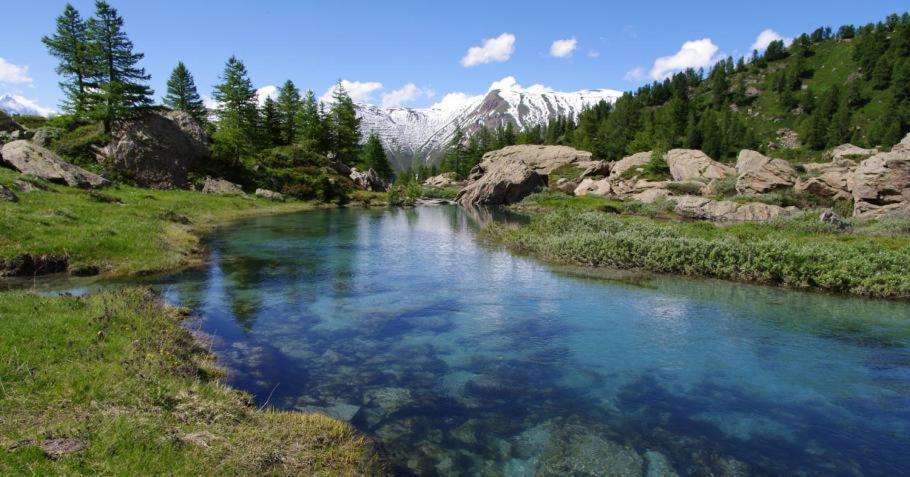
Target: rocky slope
415	136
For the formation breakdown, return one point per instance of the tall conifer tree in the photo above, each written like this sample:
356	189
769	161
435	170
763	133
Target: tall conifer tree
70	44
182	94
120	82
288	109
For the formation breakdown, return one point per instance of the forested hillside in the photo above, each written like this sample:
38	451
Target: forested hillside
828	87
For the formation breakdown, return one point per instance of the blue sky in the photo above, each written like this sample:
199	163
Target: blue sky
414	53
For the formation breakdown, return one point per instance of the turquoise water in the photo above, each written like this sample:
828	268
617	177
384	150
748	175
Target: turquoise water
462	359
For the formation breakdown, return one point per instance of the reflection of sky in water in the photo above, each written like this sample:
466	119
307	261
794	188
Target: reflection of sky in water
401	322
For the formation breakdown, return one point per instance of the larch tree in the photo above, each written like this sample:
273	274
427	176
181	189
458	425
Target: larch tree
70	45
374	157
237	112
120	88
182	94
270	121
288	109
345	126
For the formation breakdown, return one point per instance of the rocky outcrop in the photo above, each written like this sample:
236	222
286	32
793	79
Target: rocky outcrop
541	159
849	151
598	187
157	149
903	146
368	180
694	165
446	179
757	173
508	175
269	194
694	207
565	185
500	183
831	179
598	168
881	185
44	136
35	160
220	186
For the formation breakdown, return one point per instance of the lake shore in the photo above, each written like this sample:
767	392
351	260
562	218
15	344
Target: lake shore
118	373
799	253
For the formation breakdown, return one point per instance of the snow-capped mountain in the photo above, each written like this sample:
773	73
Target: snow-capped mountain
15	104
415	136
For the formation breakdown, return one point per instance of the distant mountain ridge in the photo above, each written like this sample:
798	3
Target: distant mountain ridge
415	136
14	104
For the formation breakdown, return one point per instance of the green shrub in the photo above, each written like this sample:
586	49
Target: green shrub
30	121
78	145
440	192
764	253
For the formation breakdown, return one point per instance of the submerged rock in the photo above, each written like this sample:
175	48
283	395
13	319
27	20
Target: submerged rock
576	450
35	160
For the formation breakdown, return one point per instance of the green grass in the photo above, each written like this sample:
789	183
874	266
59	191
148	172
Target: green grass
147	231
570	172
119	372
800	252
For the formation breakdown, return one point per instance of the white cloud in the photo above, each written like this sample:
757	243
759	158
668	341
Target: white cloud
635	74
406	94
359	91
454	101
13	74
765	38
593	54
210	102
492	50
268	91
563	48
509	83
693	54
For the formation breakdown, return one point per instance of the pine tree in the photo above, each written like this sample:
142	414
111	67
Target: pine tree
183	96
70	45
455	155
345	126
237	112
310	125
120	90
288	110
270	122
374	157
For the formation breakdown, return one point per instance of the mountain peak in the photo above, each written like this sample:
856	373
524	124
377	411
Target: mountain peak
414	136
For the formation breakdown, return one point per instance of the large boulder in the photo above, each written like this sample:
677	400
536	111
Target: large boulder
632	162
35	160
849	151
757	173
695	207
588	186
502	182
157	149
881	185
368	180
694	165
269	194
830	179
446	179
220	186
541	159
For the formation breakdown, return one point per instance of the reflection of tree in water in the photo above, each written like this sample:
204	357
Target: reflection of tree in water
244	278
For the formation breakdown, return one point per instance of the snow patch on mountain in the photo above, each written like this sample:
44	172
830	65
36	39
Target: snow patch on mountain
16	104
415	136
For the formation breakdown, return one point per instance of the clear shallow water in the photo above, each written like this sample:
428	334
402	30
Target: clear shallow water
465	360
